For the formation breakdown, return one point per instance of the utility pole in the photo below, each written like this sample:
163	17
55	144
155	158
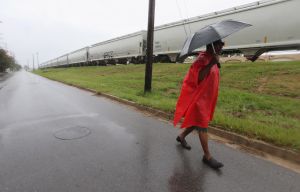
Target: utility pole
148	71
37	59
2	38
32	62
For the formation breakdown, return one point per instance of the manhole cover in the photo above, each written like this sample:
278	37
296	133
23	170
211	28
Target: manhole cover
72	133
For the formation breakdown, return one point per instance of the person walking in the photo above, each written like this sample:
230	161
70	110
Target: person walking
198	98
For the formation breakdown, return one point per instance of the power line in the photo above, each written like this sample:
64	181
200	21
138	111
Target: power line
187	11
180	14
185	19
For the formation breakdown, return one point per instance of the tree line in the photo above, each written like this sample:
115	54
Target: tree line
8	62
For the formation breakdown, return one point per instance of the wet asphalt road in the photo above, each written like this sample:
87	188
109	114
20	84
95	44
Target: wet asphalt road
59	138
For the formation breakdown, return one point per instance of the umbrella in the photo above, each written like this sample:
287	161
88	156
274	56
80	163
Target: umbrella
211	33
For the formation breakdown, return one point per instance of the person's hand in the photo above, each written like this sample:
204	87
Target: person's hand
203	73
206	69
215	59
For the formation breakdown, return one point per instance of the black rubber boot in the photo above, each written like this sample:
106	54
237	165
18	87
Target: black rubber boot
212	163
183	143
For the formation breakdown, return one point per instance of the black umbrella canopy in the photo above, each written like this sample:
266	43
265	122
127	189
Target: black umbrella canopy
210	34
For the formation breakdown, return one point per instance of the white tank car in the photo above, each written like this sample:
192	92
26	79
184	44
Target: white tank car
53	63
62	60
78	57
128	48
276	26
45	64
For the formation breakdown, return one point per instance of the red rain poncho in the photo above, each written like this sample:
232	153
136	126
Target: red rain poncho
197	102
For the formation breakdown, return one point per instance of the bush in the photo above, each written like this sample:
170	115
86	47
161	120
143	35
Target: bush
7	62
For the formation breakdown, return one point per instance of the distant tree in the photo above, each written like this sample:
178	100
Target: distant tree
4	63
8	62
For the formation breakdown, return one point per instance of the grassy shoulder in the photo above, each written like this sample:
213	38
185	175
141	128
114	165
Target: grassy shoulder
259	100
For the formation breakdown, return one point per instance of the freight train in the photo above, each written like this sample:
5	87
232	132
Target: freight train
275	26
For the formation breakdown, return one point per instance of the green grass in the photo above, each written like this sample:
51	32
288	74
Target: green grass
259	100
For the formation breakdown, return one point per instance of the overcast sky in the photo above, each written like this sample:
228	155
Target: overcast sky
54	27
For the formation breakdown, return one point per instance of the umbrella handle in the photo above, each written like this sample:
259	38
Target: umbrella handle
213	47
218	63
